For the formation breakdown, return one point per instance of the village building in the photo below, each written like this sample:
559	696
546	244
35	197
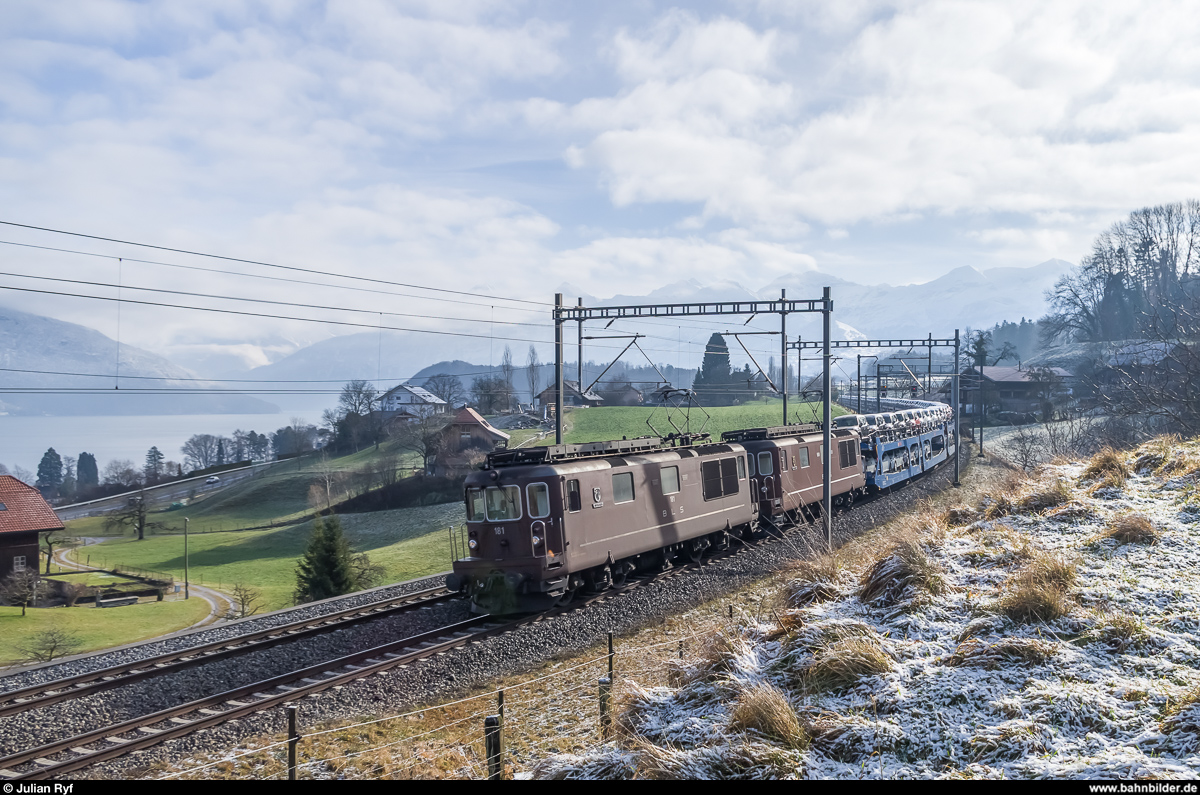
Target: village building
463	439
620	394
407	401
571	396
23	515
1021	390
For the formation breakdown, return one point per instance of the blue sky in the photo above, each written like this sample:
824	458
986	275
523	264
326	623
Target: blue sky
617	146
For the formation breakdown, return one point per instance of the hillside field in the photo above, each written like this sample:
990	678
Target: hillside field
613	422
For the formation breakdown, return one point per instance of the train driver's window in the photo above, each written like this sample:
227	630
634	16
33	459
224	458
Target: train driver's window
574	501
503	503
741	465
670	479
623	487
764	464
750	464
474	505
803	457
539	500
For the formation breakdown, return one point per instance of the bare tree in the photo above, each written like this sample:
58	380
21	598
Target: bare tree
506	372
532	372
422	436
20	588
358	397
133	516
200	451
245	601
448	387
50	644
48	542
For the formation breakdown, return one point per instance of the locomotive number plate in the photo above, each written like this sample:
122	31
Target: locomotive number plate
499	531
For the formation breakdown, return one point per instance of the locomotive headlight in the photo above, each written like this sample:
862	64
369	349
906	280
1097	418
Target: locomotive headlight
537	541
473	543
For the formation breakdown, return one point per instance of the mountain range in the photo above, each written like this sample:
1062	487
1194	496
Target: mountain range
964	297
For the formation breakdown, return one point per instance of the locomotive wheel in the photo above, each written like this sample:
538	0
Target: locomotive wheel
565	599
694	549
600	579
619	575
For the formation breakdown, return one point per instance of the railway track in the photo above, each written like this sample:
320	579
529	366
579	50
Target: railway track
42	695
110	742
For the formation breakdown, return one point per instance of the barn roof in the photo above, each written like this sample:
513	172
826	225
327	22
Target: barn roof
469	416
22	508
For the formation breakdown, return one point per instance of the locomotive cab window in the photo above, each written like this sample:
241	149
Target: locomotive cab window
503	503
765	467
670	479
574	500
741	467
803	457
623	487
475	511
539	500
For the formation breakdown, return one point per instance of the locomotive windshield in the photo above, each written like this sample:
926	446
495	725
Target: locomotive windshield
474	505
539	500
503	503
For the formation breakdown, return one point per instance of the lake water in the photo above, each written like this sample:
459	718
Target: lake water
23	440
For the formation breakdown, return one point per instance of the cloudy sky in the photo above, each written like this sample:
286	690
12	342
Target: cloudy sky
507	148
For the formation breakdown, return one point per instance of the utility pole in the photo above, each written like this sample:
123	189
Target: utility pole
826	423
187	590
955	402
558	368
783	350
579	354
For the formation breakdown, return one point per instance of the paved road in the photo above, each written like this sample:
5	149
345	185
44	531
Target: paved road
158	496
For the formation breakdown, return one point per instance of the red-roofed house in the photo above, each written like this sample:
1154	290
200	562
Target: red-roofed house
23	514
467	432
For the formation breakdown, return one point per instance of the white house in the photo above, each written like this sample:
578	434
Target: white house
411	400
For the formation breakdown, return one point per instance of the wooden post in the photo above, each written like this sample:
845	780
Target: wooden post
605	699
500	715
610	656
293	741
492	747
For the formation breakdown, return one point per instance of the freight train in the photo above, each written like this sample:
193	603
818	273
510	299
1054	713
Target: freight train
547	523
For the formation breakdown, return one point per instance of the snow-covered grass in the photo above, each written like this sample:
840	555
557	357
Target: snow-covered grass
1050	629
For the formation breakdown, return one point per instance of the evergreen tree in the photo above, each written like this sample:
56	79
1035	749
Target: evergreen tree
50	472
713	383
87	474
327	567
220	451
154	464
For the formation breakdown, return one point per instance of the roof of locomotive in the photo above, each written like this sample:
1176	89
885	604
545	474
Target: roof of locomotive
576	466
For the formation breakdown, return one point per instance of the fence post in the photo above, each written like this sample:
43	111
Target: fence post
500	715
293	741
605	698
610	656
491	744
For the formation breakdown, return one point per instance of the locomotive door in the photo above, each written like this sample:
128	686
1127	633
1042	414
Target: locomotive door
766	470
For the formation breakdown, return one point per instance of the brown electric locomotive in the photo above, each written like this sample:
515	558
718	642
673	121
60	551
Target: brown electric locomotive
784	464
544	523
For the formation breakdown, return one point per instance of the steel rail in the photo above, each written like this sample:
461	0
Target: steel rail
45	694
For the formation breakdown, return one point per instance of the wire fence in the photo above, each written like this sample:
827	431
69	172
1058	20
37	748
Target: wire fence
499	734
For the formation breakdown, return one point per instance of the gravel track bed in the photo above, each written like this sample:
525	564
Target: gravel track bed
188	638
461	669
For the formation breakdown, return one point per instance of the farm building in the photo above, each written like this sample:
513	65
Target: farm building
1016	389
467	434
23	515
571	396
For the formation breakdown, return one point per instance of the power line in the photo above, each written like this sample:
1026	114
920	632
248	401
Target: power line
268	264
266	300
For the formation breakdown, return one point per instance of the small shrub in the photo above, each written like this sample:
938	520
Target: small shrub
977	653
1131	528
1109	465
903	570
765	709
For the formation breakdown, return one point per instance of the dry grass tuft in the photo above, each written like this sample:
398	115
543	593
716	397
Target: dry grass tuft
786	624
720	762
765	709
814	581
976	653
903	570
1107	465
714	656
1131	528
1041	498
997	507
1040	591
960	515
842	662
1182	716
1119	630
1071	512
